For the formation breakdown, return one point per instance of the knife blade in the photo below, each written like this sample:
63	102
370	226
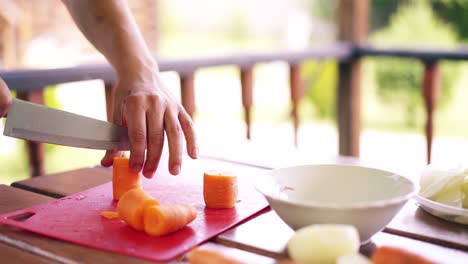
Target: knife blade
26	120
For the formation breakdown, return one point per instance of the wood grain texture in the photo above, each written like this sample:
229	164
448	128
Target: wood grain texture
416	223
62	184
11	254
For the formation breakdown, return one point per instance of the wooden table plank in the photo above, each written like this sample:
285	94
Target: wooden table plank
62	184
412	221
268	235
10	254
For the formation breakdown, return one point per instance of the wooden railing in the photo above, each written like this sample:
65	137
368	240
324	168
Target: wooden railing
30	84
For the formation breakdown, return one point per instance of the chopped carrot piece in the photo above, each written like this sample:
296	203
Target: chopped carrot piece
202	256
110	214
391	255
219	189
123	178
131	206
161	220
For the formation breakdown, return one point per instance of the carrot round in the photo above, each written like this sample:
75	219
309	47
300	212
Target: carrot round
219	189
202	256
110	214
131	206
123	178
161	220
391	255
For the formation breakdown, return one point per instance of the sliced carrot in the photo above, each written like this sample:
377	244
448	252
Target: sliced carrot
202	256
123	178
110	214
391	255
219	189
161	220
131	206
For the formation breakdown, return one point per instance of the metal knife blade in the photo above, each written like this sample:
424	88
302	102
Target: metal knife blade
35	122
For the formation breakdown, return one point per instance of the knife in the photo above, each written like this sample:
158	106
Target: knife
36	122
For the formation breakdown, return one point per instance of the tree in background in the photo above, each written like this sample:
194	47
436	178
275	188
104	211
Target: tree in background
399	80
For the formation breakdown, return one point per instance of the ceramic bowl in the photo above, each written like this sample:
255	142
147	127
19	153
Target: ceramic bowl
366	198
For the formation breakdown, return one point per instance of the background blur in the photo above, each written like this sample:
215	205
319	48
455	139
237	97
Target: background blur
392	111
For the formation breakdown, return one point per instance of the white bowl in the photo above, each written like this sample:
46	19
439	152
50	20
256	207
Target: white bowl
366	198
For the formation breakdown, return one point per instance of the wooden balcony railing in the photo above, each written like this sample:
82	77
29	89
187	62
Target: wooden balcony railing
30	84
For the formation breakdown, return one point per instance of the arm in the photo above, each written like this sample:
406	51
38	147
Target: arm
5	98
142	102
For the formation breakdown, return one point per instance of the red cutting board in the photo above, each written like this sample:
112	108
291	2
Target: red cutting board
76	219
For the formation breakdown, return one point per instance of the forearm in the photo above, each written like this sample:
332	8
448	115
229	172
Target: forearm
111	28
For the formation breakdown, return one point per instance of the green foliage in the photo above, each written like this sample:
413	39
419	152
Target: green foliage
399	80
320	84
455	12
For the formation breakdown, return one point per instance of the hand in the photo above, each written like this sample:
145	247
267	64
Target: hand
149	110
5	98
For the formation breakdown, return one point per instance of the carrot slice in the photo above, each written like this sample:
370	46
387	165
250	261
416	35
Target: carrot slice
390	255
123	178
219	189
161	220
202	256
131	206
110	214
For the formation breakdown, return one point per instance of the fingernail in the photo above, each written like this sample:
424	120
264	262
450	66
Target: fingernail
136	168
176	169
195	152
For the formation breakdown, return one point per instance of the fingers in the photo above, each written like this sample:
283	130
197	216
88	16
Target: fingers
5	98
108	158
189	133
173	131
155	141
136	121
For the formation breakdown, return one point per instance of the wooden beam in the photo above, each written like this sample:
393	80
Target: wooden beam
352	27
187	86
431	92
246	75
296	87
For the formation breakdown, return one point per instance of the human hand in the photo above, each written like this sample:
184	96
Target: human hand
5	98
149	110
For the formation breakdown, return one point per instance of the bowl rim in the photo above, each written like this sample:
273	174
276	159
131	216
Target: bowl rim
331	205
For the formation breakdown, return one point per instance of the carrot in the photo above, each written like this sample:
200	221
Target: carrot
123	178
391	255
131	206
161	220
110	214
219	189
202	256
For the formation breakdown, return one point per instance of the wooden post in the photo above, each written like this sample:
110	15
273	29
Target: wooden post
431	92
109	90
352	28
247	96
187	86
295	84
35	150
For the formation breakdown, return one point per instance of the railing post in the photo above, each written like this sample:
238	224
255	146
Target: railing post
246	75
187	86
295	83
109	90
431	92
35	150
352	27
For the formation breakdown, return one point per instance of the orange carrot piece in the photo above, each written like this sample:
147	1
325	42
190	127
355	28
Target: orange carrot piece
131	206
202	256
123	178
110	214
219	190
391	255
161	220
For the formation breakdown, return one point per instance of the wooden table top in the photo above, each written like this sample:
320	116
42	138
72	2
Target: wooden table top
252	241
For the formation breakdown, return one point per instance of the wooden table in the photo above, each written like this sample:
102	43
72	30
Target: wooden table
258	240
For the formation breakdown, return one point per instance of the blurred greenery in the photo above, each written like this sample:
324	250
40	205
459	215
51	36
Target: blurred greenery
399	80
